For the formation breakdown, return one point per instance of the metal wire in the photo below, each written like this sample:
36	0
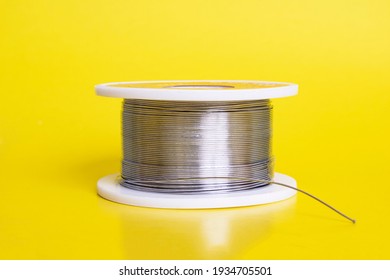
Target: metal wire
276	183
220	141
199	147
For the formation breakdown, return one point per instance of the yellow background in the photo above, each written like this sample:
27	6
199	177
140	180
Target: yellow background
57	138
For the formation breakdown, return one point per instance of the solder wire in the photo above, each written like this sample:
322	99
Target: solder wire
165	140
198	147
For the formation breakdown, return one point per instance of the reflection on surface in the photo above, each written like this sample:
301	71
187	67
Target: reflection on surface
196	234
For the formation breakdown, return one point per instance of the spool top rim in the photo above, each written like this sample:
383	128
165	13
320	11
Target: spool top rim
198	90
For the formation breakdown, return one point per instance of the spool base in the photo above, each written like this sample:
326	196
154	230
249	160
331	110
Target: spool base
109	188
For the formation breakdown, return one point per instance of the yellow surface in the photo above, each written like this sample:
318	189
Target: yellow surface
57	138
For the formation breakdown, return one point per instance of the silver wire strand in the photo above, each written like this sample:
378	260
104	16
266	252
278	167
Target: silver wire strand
276	183
199	147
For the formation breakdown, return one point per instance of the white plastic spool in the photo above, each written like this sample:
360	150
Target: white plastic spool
210	90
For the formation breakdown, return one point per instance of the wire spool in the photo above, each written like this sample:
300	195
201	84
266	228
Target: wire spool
197	144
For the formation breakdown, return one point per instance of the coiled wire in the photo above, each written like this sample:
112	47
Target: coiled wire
199	147
215	142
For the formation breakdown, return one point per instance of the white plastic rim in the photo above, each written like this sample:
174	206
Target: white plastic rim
109	188
198	90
